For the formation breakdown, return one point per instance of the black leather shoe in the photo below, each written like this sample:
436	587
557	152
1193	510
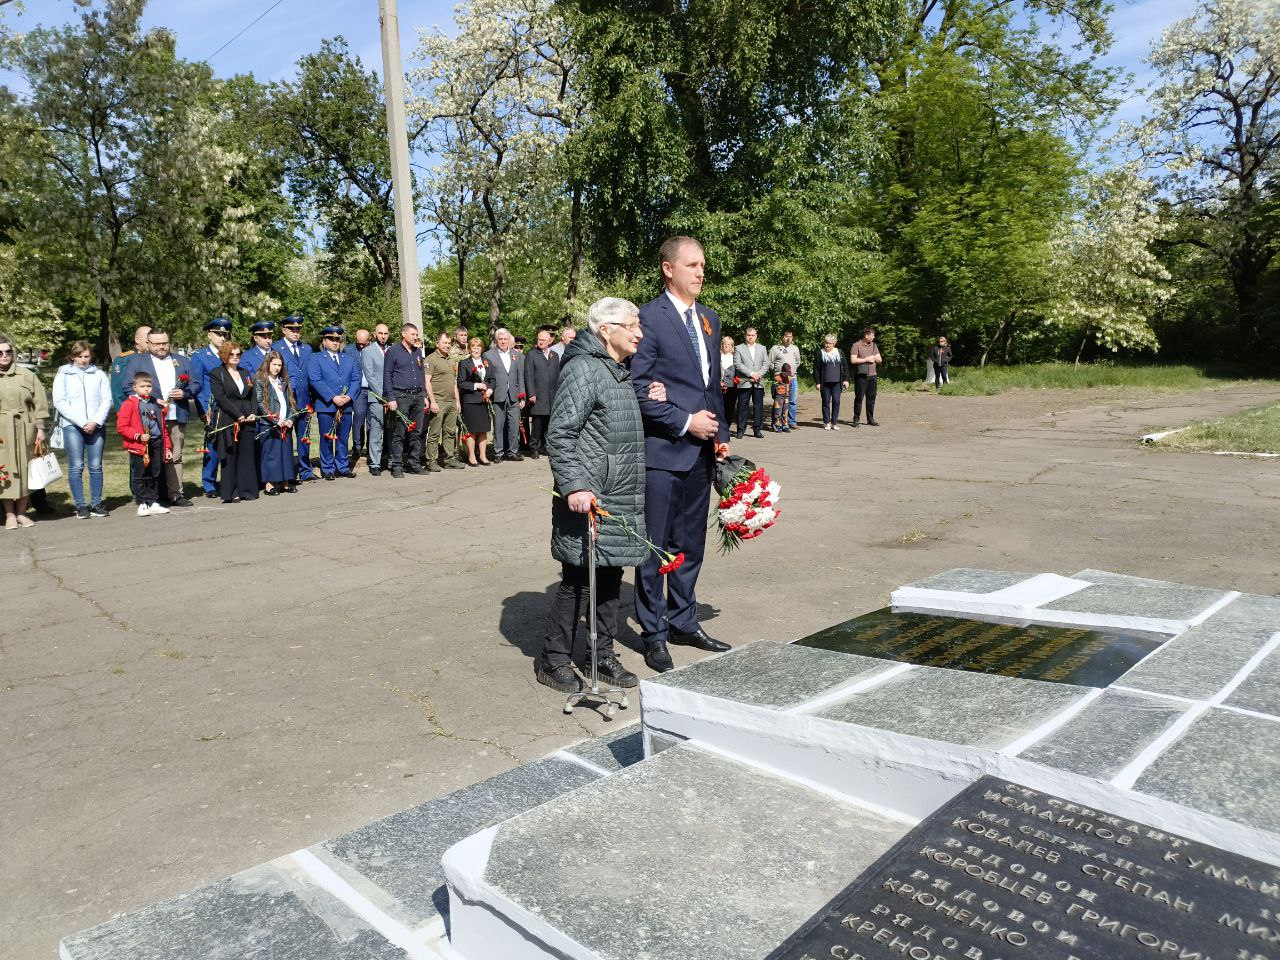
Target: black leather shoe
273	492
758	436
210	495
397	474
181	502
349	474
698	638
330	476
374	471
738	436
560	678
513	457
533	455
873	423
657	657
612	671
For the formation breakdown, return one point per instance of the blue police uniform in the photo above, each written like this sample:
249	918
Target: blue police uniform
254	355
296	359
203	361
331	375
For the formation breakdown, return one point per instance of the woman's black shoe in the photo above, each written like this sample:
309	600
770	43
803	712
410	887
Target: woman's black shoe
271	493
560	678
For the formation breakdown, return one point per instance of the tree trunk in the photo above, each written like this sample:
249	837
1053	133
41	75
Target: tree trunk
1079	353
575	253
105	338
462	286
993	341
495	295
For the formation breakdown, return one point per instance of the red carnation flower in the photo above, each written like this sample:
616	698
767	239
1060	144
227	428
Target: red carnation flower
413	425
519	396
736	381
671	566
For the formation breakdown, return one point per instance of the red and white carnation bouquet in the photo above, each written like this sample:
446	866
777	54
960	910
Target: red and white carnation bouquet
748	502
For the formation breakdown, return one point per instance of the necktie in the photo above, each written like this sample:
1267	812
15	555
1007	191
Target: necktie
294	348
693	333
335	358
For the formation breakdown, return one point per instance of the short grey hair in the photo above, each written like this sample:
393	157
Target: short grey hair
829	338
610	310
501	332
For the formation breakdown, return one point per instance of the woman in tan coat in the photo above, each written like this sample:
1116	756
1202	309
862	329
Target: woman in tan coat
24	408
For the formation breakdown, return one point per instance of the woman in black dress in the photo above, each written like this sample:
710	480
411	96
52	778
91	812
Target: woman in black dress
475	387
234	426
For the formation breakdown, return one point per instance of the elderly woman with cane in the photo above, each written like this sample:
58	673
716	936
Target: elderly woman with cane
596	447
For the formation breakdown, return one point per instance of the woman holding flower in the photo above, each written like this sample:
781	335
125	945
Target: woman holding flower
234	422
475	389
596	446
276	410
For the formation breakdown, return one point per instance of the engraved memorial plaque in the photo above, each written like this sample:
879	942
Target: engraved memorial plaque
1033	651
1004	872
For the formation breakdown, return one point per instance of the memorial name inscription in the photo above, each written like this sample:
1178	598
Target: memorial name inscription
1033	651
1004	871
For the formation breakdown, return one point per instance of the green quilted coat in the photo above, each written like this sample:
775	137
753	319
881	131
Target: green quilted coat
596	443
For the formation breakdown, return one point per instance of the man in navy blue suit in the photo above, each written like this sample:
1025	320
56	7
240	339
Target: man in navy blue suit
262	332
296	357
334	381
683	436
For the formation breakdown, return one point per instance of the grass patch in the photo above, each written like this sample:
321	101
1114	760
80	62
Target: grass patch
171	654
1253	431
991	380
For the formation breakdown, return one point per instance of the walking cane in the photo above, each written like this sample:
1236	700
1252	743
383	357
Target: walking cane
605	696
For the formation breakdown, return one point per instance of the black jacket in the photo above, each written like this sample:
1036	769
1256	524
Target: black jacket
821	373
540	379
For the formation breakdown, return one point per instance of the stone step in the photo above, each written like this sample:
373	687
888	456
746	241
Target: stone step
376	893
686	856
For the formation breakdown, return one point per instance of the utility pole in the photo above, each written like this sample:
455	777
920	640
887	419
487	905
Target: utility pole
401	181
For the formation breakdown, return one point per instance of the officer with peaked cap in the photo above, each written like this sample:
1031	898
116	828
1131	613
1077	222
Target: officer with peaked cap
296	357
203	361
262	332
334	380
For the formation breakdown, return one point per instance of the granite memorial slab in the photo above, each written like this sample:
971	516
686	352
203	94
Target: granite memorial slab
1226	763
273	910
973	709
1260	689
687	856
1106	576
613	751
1033	651
1104	737
769	674
1139	600
395	862
1006	871
970	580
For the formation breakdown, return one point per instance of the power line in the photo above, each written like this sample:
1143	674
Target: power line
244	31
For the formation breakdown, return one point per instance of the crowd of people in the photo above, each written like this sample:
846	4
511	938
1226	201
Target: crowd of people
400	406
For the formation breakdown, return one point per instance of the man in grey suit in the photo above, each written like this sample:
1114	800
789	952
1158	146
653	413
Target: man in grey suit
507	367
751	364
372	358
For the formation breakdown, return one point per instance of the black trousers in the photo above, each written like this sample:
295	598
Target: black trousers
731	406
940	374
750	401
411	404
675	513
538	432
145	481
239	467
864	387
568	607
831	400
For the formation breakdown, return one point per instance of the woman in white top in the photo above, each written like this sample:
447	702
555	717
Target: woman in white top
727	376
82	398
276	410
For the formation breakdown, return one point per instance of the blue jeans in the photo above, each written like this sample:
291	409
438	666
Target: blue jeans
81	447
791	400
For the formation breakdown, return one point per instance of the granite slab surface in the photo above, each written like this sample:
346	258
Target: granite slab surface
613	751
975	709
1260	690
688	856
1226	763
1106	576
1201	661
970	580
1105	736
1139	600
769	674
396	861
272	911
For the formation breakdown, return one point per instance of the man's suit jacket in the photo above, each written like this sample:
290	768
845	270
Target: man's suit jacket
328	380
355	353
372	360
252	359
297	369
146	363
507	387
666	355
749	359
203	362
541	377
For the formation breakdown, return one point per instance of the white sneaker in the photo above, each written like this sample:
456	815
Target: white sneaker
835	426
144	510
157	508
826	426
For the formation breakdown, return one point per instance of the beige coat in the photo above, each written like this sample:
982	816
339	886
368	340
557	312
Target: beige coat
24	405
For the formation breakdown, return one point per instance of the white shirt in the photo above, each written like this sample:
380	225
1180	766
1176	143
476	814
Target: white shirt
702	347
726	361
506	360
166	380
278	390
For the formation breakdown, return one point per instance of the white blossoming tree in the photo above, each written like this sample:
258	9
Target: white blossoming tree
497	104
1105	281
1214	134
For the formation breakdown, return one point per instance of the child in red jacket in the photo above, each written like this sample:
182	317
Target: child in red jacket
141	426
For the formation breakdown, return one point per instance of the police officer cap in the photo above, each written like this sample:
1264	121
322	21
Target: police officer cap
263	326
292	321
219	323
333	330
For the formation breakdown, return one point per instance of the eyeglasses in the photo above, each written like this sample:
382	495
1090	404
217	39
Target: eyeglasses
5	352
232	355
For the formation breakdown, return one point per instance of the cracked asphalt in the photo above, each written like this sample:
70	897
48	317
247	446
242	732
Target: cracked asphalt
184	697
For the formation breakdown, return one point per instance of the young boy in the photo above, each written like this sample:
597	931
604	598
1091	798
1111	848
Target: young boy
781	400
140	423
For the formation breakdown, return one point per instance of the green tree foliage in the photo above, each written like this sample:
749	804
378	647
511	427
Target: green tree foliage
126	203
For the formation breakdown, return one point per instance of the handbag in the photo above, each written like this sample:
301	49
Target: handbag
42	470
55	436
